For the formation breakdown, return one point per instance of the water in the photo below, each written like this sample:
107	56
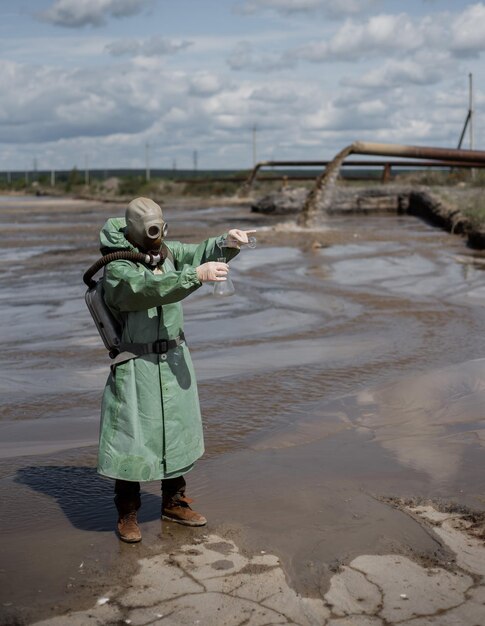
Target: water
348	364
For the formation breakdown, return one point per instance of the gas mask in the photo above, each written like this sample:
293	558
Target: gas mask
145	227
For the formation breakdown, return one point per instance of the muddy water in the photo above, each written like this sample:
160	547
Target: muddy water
347	367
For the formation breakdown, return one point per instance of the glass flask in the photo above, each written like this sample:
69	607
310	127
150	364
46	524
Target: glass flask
226	287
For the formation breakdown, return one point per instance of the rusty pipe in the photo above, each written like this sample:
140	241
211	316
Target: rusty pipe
416	152
321	194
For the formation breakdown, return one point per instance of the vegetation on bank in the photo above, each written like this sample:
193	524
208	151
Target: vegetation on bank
475	212
163	185
123	184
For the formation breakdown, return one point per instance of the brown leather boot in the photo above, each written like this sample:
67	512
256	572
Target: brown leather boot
128	529
177	509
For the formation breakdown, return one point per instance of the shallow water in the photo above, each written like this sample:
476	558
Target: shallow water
347	366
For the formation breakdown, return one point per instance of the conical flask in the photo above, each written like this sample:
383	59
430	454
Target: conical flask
224	288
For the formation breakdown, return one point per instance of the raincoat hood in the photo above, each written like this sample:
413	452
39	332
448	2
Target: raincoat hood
113	236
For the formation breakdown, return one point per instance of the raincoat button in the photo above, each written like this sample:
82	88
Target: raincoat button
163	357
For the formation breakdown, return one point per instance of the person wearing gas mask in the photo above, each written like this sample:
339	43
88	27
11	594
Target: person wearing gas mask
150	416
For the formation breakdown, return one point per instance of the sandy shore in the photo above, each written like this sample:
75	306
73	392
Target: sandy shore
342	390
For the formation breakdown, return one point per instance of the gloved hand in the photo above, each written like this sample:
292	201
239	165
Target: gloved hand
236	237
212	271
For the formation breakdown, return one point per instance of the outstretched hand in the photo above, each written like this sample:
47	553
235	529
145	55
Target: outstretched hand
212	271
236	237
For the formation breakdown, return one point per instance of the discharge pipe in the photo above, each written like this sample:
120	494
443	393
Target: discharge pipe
320	196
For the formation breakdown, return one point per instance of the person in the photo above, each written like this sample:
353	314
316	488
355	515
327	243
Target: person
151	424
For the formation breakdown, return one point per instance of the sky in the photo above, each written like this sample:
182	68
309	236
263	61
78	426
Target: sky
108	83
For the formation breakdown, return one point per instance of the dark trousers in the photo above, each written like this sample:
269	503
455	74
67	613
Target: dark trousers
172	488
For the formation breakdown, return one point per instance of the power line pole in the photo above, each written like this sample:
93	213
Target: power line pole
254	144
470	113
147	161
470	108
195	155
86	170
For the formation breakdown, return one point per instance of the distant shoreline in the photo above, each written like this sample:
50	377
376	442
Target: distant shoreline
457	209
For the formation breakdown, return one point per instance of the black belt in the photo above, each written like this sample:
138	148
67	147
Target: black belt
160	346
130	351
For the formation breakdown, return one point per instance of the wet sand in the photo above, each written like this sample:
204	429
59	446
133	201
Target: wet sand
347	369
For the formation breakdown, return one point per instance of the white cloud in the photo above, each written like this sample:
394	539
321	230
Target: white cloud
417	70
245	57
397	77
444	33
412	42
46	104
123	47
205	84
78	13
329	7
353	40
278	94
384	34
241	56
151	47
468	30
362	116
112	111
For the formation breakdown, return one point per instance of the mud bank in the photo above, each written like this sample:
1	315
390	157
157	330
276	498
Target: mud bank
440	207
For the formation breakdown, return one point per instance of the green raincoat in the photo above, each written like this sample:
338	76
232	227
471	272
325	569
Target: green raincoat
150	416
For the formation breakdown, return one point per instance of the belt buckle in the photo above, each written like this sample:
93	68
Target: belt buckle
162	346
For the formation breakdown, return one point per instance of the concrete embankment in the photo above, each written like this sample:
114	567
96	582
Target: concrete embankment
441	206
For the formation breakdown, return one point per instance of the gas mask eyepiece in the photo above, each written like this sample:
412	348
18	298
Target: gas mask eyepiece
157	231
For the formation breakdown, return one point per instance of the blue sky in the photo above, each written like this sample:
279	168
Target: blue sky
96	80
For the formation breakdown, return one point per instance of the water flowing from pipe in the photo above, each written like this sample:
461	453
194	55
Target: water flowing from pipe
320	197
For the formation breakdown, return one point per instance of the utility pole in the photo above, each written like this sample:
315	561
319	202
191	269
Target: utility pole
470	113
53	178
468	121
147	161
86	170
254	144
195	155
470	108
34	167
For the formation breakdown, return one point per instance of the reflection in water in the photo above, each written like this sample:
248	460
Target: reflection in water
429	420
